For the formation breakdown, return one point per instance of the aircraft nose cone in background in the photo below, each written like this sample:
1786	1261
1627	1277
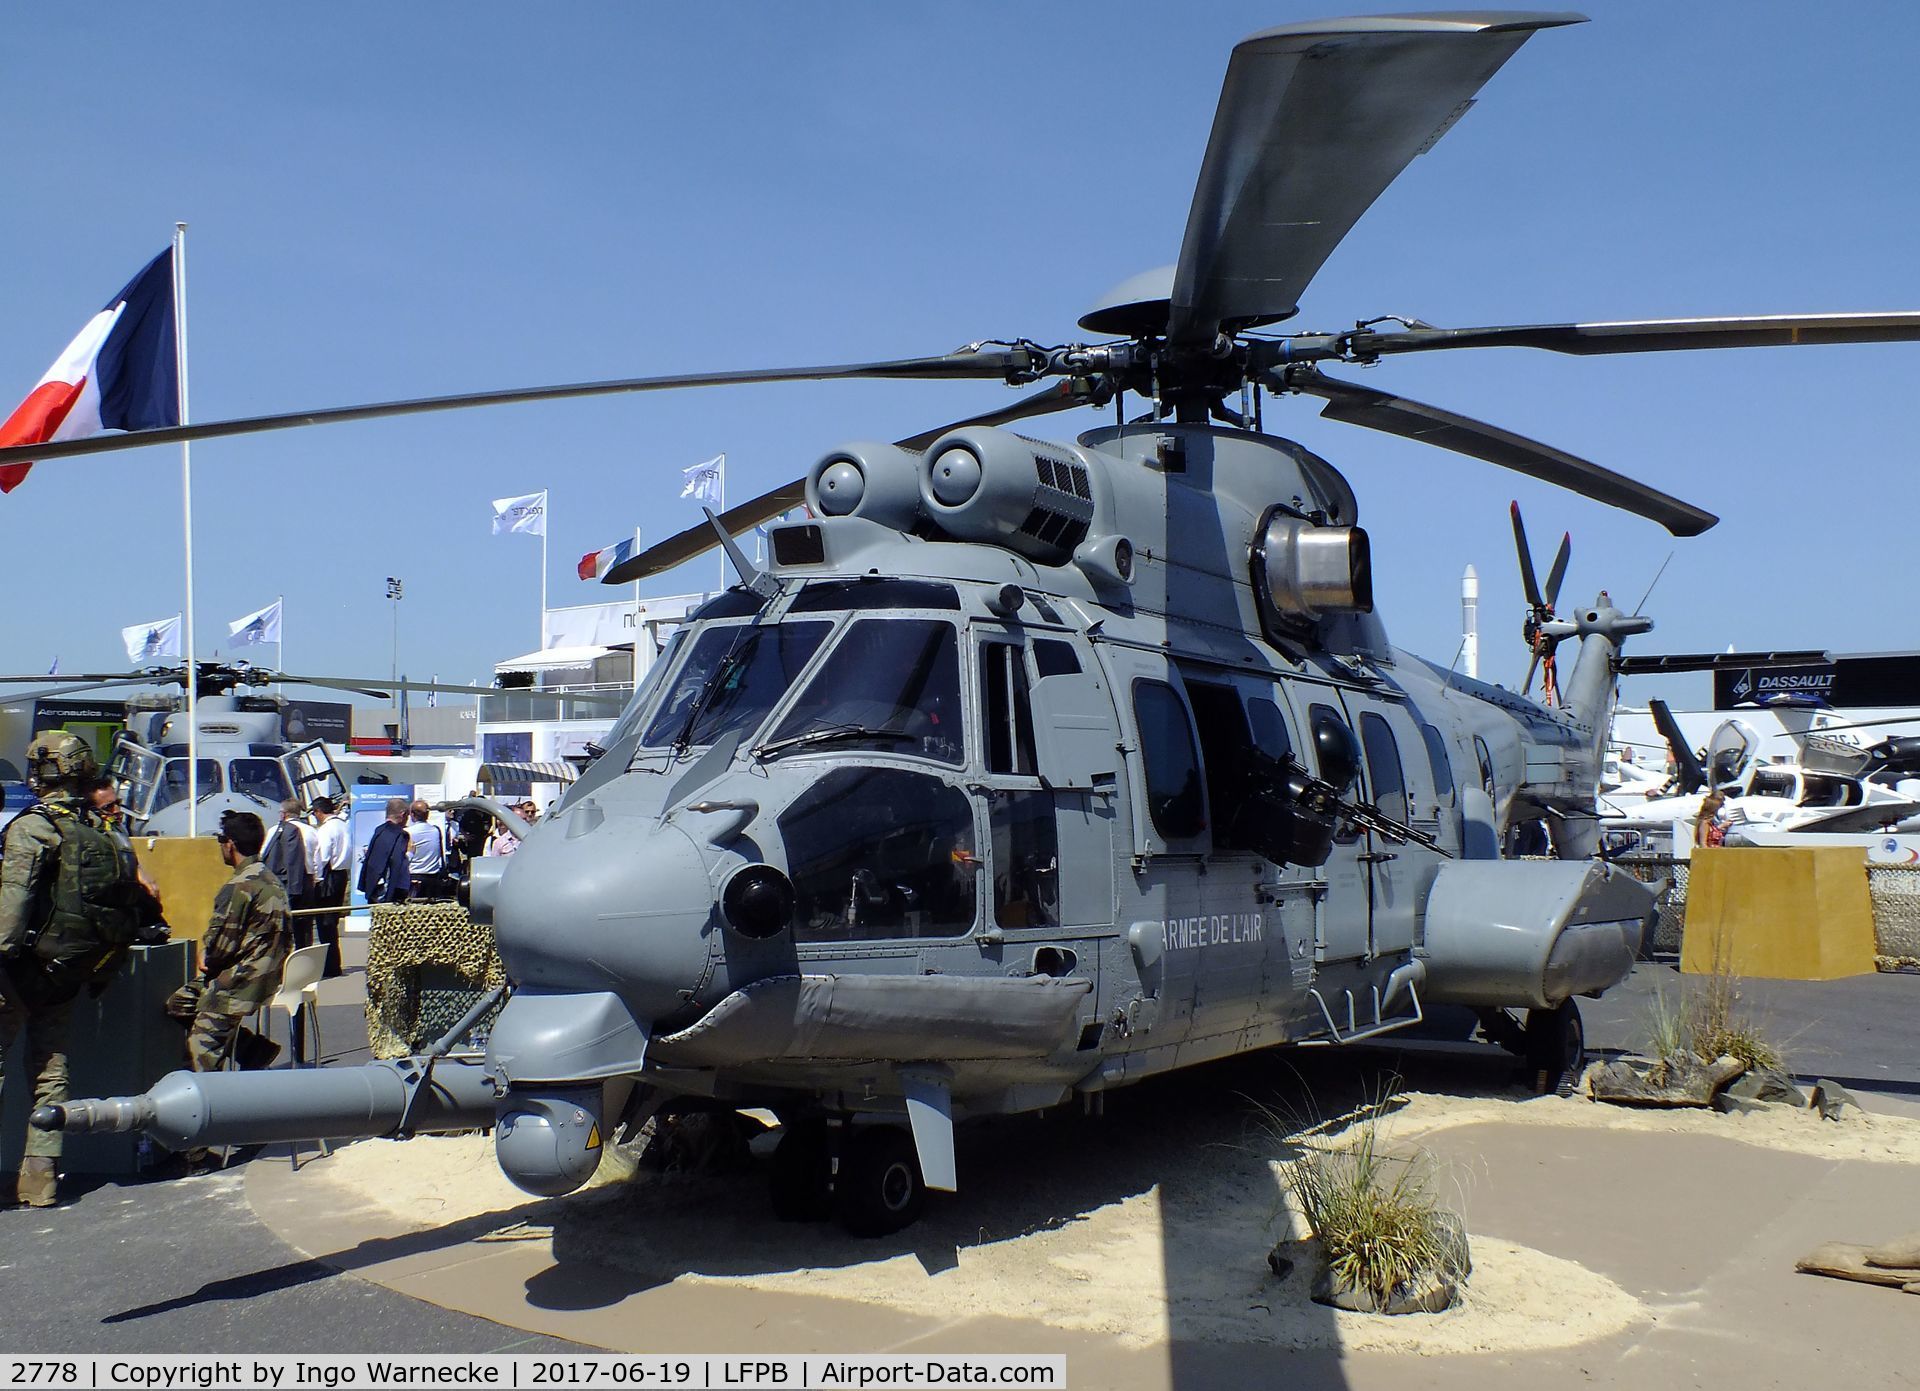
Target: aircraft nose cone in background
591	903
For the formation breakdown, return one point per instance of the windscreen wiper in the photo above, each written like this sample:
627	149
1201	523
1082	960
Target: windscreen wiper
830	733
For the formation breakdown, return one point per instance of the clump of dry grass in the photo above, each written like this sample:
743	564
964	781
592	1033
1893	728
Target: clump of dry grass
1375	1214
1711	1019
1720	1023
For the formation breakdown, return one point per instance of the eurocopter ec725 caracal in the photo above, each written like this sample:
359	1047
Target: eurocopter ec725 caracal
1025	770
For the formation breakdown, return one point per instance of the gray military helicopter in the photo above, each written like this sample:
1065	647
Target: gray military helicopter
247	745
1024	770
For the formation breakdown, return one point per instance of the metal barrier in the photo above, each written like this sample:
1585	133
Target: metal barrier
1667	927
1896	915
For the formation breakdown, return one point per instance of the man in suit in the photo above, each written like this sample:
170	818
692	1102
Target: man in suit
384	876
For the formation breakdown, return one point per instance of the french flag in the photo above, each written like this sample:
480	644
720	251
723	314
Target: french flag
121	373
594	564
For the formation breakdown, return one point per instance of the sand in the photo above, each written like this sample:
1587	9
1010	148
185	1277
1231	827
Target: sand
1875	1138
1138	1238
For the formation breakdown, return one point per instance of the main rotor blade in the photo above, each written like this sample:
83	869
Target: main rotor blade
377	687
1396	415
1657	335
85	689
1529	586
698	539
1314	121
1668	663
1558	571
95	676
987	363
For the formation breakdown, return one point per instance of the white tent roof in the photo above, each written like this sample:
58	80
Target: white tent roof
554	659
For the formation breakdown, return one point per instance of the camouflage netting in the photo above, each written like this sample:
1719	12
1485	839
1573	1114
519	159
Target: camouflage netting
427	964
1896	915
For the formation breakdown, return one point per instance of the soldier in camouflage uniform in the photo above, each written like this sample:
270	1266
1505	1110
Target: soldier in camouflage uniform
68	897
240	957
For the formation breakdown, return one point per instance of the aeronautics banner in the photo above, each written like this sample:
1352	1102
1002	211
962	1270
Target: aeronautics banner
1891	678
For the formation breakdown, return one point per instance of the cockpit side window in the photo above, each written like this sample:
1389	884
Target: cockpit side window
1005	712
878	853
891	685
1175	799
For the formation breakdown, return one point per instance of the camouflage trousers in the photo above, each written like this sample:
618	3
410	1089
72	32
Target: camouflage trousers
34	1039
215	1031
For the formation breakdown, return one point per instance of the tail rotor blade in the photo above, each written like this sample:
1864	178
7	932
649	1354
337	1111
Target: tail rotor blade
1692	776
1528	584
1558	572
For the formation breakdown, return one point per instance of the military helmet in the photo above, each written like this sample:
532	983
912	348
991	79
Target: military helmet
57	760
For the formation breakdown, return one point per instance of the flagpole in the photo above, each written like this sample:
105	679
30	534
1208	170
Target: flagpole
546	529
186	509
280	643
723	512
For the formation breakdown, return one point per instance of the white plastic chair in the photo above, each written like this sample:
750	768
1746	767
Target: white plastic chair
298	979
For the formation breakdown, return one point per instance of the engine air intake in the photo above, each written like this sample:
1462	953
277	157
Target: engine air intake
992	486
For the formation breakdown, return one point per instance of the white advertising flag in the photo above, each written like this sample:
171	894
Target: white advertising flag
703	480
149	642
260	626
526	515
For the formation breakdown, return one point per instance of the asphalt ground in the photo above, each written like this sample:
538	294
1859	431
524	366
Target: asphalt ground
183	1265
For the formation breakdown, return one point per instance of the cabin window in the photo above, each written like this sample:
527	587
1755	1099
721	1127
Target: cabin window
1226	749
731	678
1269	728
1005	711
881	852
1438	760
1026	859
1174	797
1054	657
891	685
1384	773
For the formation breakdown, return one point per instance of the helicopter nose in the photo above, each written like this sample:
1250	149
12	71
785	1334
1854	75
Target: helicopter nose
620	904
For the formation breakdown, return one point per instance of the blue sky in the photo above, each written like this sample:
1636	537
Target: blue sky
390	201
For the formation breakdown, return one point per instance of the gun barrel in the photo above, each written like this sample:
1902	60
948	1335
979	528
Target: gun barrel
185	1110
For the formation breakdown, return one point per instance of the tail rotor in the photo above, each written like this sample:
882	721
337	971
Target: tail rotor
1540	643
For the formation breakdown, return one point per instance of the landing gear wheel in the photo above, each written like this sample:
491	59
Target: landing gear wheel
878	1188
1556	1048
801	1183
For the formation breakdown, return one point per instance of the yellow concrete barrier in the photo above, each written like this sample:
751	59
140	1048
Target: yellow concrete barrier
189	871
1778	912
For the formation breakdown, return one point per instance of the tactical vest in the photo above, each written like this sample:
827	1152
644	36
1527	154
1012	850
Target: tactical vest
88	905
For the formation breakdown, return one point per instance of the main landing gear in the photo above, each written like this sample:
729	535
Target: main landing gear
1552	1044
866	1176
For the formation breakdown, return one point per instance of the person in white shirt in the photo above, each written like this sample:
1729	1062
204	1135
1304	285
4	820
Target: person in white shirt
329	854
426	854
